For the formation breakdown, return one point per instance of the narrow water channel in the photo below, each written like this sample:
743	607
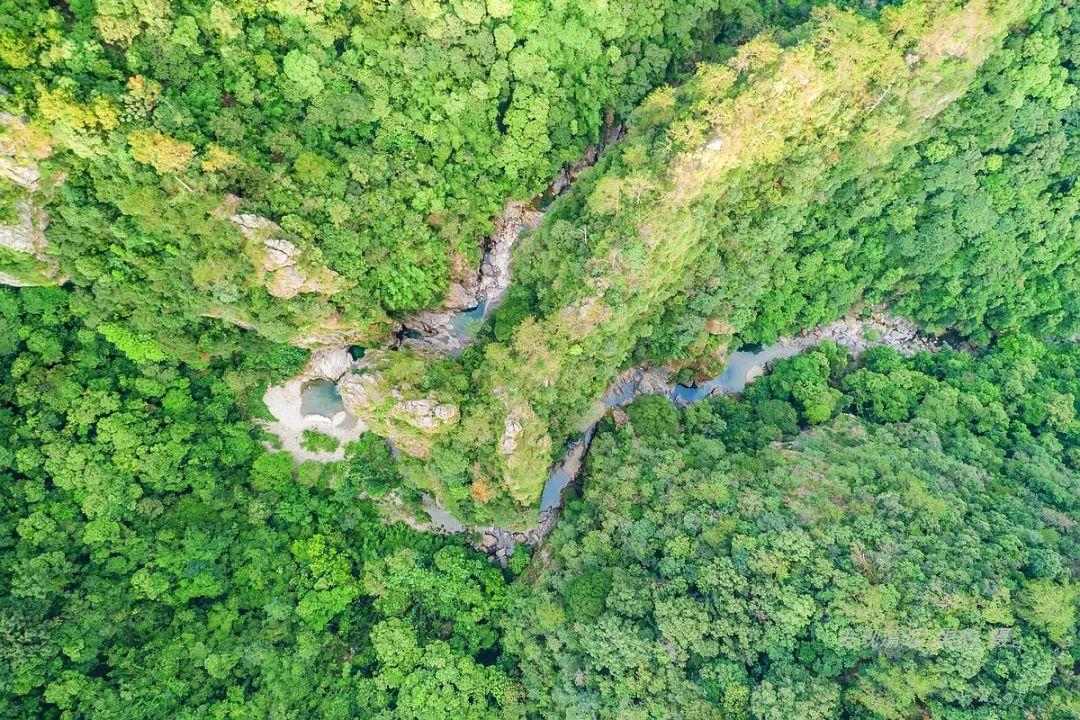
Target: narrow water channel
742	367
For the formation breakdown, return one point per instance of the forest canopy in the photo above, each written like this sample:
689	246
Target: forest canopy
873	539
911	553
381	137
207	205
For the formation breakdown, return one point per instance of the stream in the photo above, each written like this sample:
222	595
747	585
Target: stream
742	368
312	401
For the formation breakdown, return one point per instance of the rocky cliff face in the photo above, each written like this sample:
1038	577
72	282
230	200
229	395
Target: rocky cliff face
444	330
26	261
286	270
381	390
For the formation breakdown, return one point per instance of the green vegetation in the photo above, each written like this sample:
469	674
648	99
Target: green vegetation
319	442
160	564
972	230
915	558
706	202
891	539
201	191
382	137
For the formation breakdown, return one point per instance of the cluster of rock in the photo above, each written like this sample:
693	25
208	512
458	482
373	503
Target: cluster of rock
285	270
858	334
26	237
426	413
500	544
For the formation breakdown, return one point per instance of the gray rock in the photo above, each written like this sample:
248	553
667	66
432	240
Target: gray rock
28	235
753	373
330	363
495	270
426	413
511	432
287	273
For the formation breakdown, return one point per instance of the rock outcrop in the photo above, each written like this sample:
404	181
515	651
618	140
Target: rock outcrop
27	262
859	333
426	413
330	363
286	270
463	293
333	329
382	391
512	429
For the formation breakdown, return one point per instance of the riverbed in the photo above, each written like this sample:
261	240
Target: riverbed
856	334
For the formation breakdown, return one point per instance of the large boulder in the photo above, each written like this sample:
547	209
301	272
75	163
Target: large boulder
24	259
287	270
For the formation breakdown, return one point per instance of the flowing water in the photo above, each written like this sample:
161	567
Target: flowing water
565	472
742	367
441	518
738	370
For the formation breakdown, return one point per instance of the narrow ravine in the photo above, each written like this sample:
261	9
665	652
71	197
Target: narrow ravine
312	401
854	333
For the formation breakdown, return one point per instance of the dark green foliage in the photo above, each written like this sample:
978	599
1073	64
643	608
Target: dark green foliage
159	563
654	415
911	555
385	136
586	595
895	538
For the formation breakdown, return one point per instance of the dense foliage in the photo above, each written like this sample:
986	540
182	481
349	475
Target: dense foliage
382	136
976	229
216	184
913	555
684	239
159	563
914	552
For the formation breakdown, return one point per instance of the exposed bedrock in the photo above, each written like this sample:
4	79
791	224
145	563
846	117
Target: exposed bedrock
473	293
26	260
